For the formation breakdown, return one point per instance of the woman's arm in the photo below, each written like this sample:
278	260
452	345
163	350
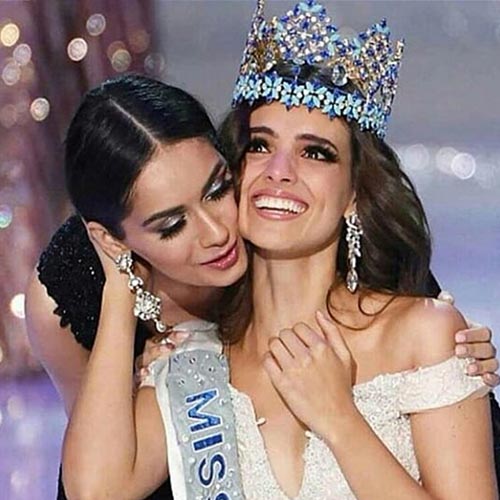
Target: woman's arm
113	449
60	354
460	463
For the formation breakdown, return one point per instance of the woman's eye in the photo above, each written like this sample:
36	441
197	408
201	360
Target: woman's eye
320	153
220	188
257	146
172	229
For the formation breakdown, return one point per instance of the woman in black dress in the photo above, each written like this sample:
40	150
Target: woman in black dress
145	174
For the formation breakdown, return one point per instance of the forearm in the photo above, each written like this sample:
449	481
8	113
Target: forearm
100	442
369	467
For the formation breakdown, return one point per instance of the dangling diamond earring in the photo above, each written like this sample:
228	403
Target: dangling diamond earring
353	238
147	305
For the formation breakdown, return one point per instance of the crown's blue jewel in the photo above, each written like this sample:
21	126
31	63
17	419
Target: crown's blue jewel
306	36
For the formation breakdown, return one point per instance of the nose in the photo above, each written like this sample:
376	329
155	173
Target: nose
213	231
281	169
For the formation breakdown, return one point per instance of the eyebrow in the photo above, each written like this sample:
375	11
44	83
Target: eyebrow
306	137
180	209
263	130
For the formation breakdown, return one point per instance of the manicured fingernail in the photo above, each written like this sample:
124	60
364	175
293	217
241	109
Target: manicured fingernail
472	369
461	350
460	337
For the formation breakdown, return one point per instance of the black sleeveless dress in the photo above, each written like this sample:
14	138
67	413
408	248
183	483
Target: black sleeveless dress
72	273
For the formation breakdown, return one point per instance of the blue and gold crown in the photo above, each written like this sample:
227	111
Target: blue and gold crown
306	36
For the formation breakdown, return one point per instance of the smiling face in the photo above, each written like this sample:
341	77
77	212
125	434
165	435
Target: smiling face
296	184
184	217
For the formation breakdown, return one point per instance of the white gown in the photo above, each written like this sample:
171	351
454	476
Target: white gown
386	402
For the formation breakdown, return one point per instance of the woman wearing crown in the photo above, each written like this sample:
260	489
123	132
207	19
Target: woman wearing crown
338	378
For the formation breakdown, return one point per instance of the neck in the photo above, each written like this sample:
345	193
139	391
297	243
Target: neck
181	302
287	292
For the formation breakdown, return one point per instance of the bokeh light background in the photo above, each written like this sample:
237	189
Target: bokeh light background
445	126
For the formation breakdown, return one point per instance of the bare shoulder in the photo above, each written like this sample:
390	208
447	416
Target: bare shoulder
39	306
429	327
55	347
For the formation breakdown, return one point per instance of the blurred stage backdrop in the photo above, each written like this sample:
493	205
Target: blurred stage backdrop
445	127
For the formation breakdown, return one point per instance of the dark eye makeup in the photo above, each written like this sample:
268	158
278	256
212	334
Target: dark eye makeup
172	229
257	145
320	153
221	186
317	152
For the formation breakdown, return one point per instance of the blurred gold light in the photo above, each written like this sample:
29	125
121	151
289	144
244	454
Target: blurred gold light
40	109
1	359
17	306
11	73
121	60
139	41
96	24
154	63
77	49
113	47
22	54
9	35
8	118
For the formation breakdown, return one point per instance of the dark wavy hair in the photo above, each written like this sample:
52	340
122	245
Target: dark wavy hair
115	132
396	242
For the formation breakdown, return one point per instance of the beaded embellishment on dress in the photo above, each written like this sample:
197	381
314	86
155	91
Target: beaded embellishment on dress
385	402
70	270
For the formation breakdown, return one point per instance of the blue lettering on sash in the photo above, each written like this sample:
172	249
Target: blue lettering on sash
195	413
220	496
208	442
210	469
217	461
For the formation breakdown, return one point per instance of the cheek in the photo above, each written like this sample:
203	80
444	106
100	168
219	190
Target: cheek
229	211
243	210
167	255
332	194
250	175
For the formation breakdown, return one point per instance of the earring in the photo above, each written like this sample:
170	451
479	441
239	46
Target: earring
147	305
353	238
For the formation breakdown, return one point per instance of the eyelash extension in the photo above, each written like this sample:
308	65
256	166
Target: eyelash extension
329	156
254	143
225	187
172	231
